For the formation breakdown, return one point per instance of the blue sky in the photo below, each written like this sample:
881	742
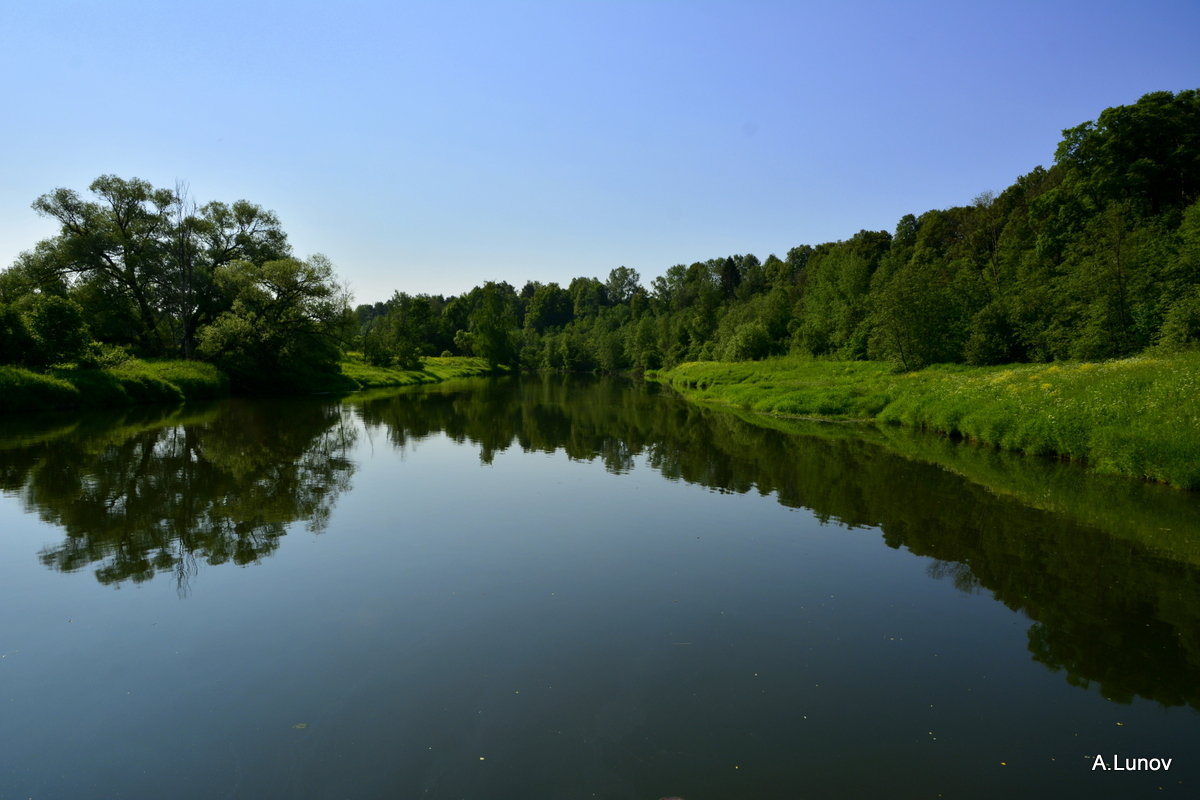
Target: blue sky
429	147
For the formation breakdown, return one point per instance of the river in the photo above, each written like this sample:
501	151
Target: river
573	588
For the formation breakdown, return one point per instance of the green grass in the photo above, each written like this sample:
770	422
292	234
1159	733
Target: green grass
195	379
130	383
136	382
23	390
1137	417
433	370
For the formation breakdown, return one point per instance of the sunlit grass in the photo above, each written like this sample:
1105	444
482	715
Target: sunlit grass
131	382
1138	417
433	370
135	381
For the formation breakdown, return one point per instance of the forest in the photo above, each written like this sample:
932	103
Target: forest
1095	257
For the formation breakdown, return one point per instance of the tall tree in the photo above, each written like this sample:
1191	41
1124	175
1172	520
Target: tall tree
494	325
156	252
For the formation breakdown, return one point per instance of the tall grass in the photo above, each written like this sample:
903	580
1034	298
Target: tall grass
433	370
135	382
1137	417
131	382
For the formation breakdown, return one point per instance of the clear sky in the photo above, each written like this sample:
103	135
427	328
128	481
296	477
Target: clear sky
429	147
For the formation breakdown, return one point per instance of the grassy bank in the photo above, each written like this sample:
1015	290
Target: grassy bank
133	382
433	370
1138	417
136	382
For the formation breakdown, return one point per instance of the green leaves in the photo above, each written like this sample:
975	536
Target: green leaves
285	325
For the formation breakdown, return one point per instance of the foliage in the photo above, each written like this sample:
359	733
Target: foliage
43	329
17	345
152	254
1095	257
57	329
1181	328
1087	259
286	326
493	325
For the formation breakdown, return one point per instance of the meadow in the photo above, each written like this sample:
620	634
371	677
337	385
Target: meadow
1138	417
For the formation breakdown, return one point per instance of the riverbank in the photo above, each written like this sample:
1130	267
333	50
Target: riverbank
130	383
1136	417
136	382
433	370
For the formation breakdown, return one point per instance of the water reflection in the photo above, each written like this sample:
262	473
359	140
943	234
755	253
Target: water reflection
150	494
1110	578
1107	571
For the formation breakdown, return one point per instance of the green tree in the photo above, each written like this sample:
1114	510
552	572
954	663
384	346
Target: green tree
17	345
286	325
588	296
154	253
621	285
548	307
57	330
493	325
1145	153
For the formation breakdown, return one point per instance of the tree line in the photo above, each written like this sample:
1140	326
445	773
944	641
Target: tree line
1097	256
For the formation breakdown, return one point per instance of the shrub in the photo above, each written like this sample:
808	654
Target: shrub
57	328
1181	327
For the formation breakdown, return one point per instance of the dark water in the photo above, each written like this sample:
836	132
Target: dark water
574	589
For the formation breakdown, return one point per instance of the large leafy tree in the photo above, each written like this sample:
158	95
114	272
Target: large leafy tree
550	306
152	254
287	322
1147	153
493	325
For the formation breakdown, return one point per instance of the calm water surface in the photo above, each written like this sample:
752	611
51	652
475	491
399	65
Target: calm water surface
574	589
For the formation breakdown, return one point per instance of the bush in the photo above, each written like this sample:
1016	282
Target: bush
103	356
1181	327
57	328
751	342
16	344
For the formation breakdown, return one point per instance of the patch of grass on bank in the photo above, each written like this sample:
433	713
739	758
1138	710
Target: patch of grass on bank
195	379
1137	417
24	390
433	370
137	382
129	383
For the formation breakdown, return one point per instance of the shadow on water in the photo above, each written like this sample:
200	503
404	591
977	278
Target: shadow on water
1107	571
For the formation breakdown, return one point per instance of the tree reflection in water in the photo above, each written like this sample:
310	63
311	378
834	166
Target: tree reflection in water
159	496
1107	571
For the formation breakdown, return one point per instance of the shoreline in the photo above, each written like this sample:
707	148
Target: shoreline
1135	417
139	382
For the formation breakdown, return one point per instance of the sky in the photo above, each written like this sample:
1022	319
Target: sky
430	147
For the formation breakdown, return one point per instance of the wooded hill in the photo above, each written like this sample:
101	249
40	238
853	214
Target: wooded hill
1095	257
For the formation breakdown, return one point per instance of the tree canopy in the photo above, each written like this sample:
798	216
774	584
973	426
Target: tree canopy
152	271
1095	257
